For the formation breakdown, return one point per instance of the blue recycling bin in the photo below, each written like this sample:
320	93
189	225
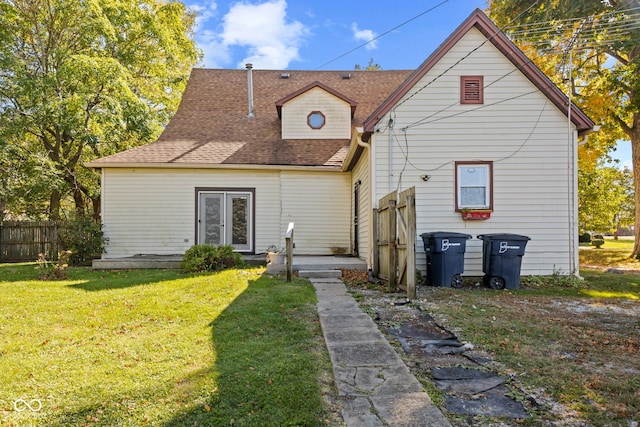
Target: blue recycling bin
502	259
445	257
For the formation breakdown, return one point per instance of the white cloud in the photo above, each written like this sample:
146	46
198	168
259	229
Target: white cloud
365	36
216	55
271	41
205	11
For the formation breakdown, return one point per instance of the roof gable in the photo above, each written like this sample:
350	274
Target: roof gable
495	36
279	103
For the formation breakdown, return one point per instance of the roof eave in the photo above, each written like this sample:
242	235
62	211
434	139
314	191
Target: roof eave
140	165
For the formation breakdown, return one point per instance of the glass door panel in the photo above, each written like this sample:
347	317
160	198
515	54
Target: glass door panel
224	218
211	219
238	208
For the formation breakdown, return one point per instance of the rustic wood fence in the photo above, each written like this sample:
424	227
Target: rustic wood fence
22	241
394	258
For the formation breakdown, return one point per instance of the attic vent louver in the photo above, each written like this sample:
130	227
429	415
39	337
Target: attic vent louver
471	90
346	76
285	75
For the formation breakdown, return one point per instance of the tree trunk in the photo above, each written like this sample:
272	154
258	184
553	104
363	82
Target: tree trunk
97	210
635	156
54	205
78	198
3	206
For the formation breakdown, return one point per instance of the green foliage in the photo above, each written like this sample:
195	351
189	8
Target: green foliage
200	258
585	237
83	236
597	242
371	66
605	198
82	80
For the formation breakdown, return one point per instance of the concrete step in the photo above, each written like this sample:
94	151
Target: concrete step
320	274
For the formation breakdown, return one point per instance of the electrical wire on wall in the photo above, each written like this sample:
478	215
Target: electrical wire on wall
405	151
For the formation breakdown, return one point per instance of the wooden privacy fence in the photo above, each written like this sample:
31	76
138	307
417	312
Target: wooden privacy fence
394	256
22	241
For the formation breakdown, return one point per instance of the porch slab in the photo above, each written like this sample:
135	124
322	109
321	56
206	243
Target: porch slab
302	262
138	262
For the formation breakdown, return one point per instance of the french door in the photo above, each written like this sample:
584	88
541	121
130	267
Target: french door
225	218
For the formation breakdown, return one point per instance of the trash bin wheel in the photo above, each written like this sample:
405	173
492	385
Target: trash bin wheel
497	282
456	281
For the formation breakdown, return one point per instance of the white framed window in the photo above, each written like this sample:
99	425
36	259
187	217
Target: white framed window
474	185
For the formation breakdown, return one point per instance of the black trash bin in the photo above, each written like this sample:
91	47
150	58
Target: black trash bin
445	257
502	258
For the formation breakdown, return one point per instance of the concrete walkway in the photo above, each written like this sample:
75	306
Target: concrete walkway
374	385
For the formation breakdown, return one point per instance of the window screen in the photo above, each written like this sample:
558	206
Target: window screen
473	185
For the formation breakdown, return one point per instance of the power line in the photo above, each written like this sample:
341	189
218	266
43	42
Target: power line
463	58
383	34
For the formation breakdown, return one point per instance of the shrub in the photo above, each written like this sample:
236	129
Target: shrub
50	270
210	258
585	238
83	236
597	242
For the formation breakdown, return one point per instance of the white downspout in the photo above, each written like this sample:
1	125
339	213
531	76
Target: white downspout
390	155
574	263
369	247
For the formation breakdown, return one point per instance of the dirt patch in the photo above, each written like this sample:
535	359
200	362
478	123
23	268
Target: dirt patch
598	338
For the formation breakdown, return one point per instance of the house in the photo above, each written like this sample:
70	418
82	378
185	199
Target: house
476	126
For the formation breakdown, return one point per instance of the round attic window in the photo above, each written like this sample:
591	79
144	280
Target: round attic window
315	120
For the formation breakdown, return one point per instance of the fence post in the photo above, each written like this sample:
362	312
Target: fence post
393	265
375	262
411	247
289	246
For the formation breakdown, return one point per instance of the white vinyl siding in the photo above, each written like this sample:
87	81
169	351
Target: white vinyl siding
517	128
361	173
318	204
152	211
336	111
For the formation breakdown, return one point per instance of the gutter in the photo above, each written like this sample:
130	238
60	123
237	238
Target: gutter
99	165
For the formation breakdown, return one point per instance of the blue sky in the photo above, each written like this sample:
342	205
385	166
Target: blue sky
329	34
312	34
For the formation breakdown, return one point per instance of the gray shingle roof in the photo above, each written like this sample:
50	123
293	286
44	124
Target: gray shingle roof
211	126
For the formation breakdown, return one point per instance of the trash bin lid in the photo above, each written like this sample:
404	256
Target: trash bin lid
503	236
445	235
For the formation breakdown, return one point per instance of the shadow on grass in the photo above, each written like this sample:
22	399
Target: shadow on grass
87	279
120	279
268	356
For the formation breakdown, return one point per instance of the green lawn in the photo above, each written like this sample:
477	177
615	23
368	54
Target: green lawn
159	348
614	253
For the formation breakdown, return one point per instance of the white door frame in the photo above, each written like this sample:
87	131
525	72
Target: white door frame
226	236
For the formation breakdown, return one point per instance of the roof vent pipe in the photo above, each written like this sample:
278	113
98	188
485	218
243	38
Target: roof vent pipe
250	90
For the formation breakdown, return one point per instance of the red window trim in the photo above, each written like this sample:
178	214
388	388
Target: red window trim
471	90
478	162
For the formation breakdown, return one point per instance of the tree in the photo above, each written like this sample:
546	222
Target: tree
80	80
606	199
597	45
371	66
